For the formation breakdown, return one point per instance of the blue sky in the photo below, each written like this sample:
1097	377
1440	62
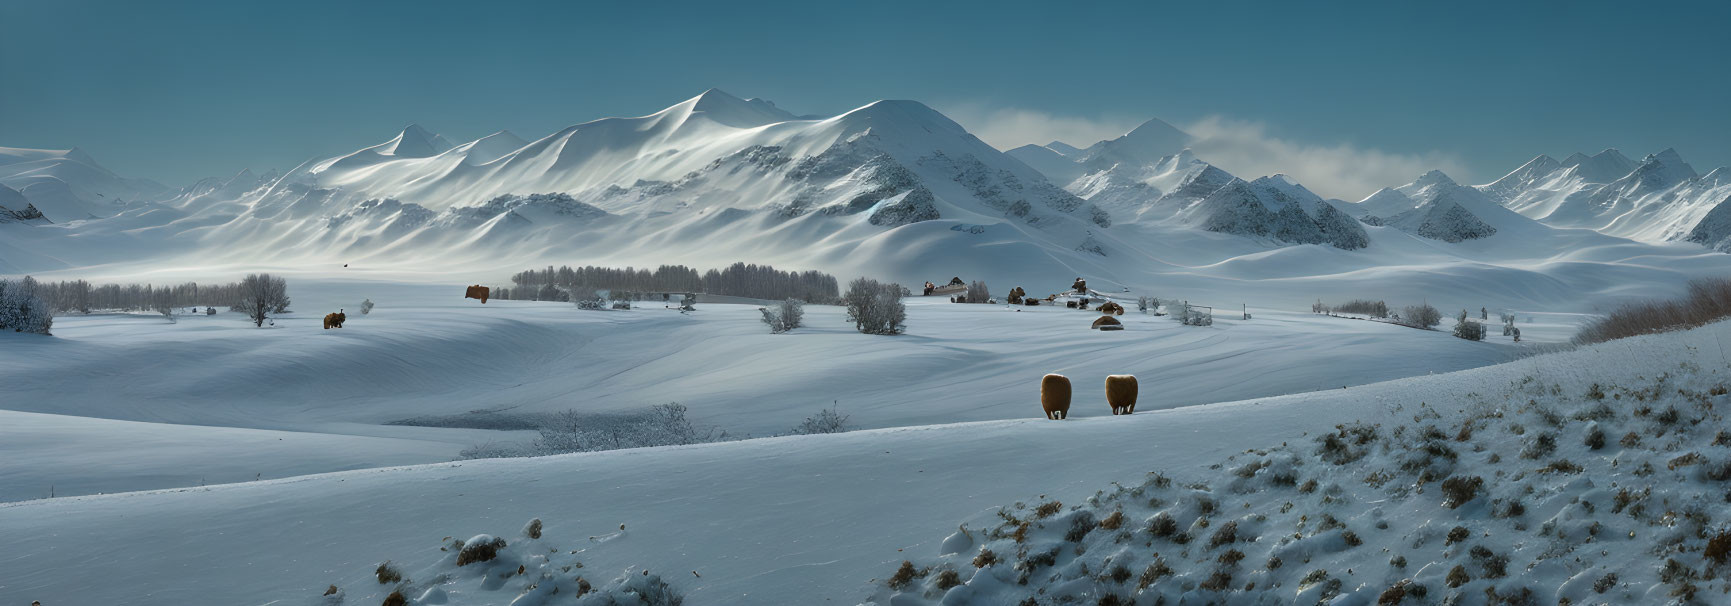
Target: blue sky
177	91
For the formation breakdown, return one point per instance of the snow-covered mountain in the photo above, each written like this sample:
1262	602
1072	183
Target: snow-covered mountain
1661	198
14	208
714	176
891	189
66	185
1436	207
1276	208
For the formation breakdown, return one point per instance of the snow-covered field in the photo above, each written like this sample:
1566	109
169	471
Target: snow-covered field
222	401
206	460
799	519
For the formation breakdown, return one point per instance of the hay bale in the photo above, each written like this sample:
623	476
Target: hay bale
1031	302
1104	321
478	292
1121	393
1055	396
1112	308
335	320
1070	304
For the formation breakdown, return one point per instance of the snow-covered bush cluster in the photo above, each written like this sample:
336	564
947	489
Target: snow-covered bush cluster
875	308
21	310
1422	315
1541	494
574	431
1706	301
784	316
1469	329
526	570
828	420
1366	307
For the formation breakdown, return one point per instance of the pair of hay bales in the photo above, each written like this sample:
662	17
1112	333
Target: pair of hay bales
1111	307
1016	296
1055	395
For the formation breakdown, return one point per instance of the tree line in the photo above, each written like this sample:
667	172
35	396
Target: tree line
739	280
79	296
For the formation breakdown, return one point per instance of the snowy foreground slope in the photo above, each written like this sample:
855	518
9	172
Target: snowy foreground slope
215	386
828	519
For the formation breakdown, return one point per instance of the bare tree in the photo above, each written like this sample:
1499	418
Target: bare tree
262	295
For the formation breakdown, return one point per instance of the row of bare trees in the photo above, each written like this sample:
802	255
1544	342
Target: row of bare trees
257	295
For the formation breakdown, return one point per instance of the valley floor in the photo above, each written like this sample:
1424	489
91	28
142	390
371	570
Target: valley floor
117	402
776	520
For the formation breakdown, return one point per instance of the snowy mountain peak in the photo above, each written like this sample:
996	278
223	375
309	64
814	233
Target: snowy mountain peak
1063	148
1523	178
1434	177
77	154
1142	146
1603	167
721	107
1671	161
415	142
1155	129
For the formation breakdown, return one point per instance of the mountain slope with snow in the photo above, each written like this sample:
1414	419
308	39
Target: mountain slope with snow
67	185
1659	199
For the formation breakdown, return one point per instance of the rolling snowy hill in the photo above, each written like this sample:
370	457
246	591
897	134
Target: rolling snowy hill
829	517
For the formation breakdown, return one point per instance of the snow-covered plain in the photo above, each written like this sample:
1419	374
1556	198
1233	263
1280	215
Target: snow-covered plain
214	385
232	419
800	519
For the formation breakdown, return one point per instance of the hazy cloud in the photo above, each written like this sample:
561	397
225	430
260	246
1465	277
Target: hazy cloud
1242	147
1009	128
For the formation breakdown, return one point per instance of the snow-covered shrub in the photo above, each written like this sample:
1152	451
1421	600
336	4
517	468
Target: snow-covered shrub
1421	316
262	295
1142	304
1195	315
661	425
875	308
528	571
366	306
1470	330
784	316
828	420
978	293
21	310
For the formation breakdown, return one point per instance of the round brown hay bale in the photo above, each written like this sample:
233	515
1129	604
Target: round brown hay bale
1107	321
1111	307
1031	302
1055	396
1121	393
1070	304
